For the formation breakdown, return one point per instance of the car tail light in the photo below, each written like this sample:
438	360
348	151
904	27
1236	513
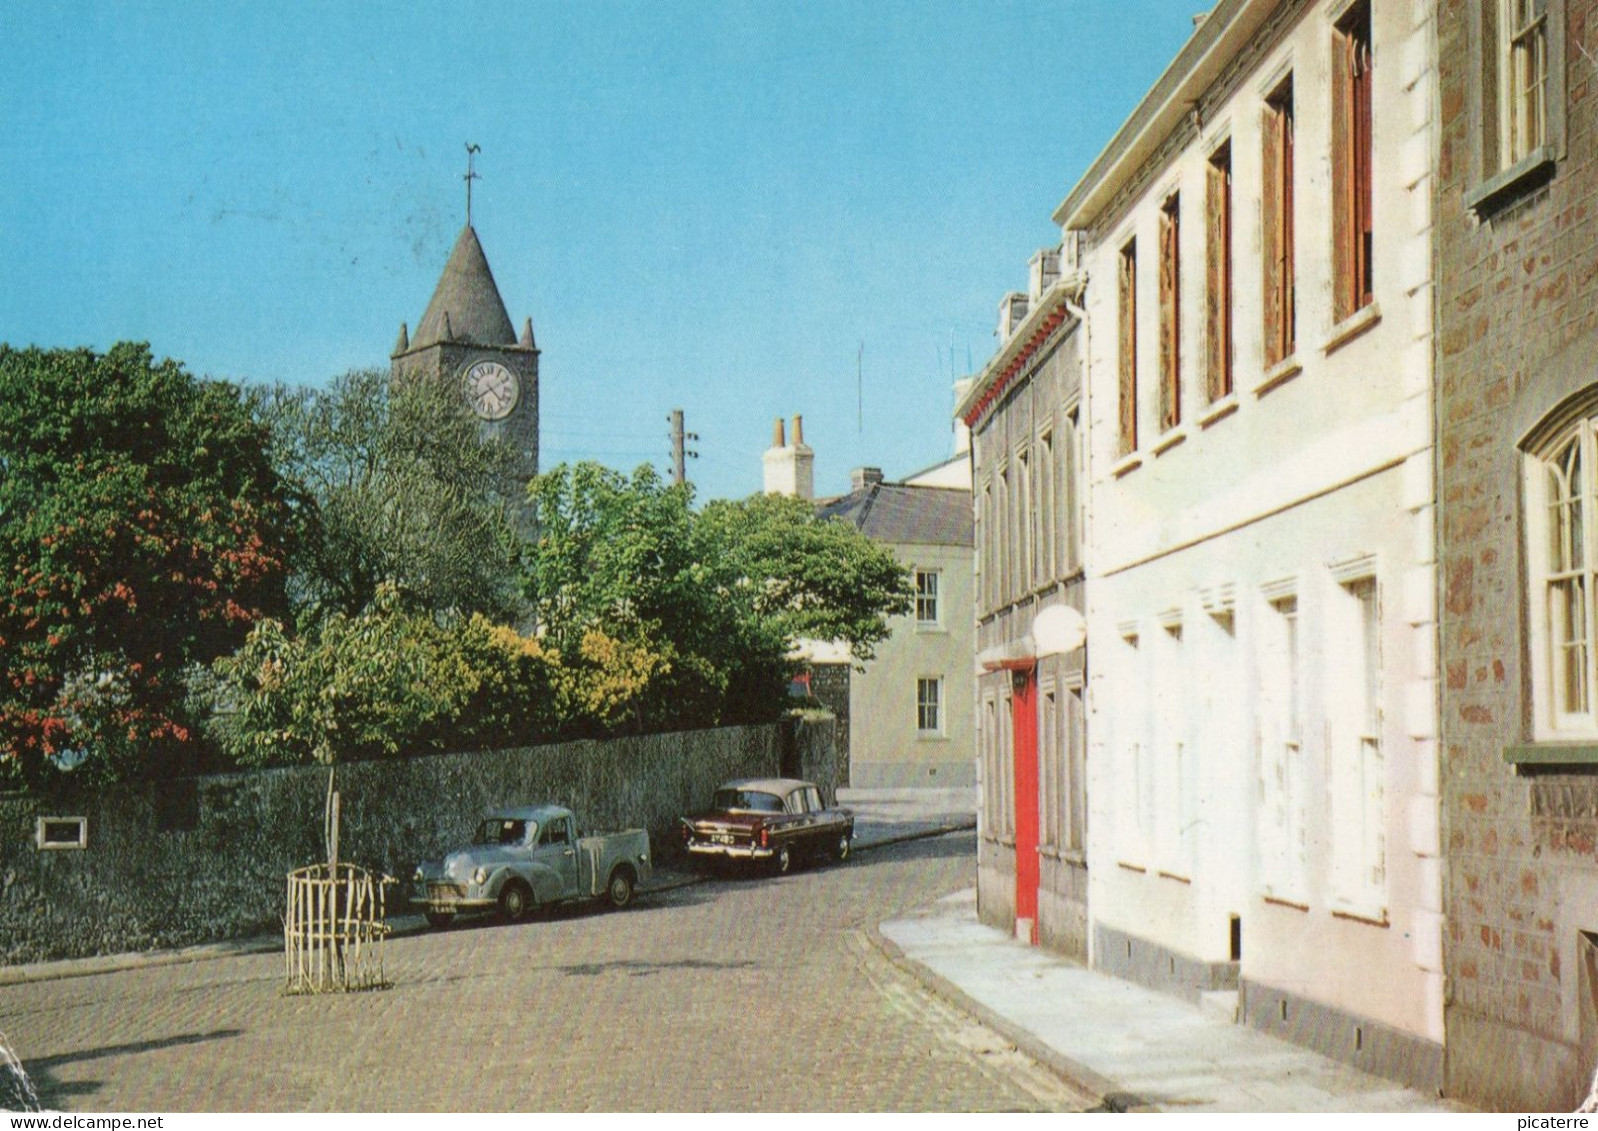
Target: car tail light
765	836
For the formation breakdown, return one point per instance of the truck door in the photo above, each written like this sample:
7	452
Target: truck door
557	851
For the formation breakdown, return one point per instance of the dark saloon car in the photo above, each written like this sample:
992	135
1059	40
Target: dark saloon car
769	821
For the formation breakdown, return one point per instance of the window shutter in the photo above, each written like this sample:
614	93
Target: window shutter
1270	222
1344	259
1128	328
1217	281
1170	320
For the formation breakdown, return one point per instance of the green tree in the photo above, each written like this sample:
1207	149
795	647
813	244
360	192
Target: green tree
807	577
395	487
718	599
142	530
386	681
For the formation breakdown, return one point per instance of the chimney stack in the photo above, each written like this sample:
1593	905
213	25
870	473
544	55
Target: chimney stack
862	477
790	468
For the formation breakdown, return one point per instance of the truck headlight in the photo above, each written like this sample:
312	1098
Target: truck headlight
480	877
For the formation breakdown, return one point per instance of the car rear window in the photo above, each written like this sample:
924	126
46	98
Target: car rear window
750	800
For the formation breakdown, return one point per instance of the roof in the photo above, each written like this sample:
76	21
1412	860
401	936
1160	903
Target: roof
466	306
535	813
1172	103
782	786
897	512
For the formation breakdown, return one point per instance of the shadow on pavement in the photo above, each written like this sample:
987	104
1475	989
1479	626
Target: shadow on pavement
42	1070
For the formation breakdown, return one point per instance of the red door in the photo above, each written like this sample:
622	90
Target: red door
1024	726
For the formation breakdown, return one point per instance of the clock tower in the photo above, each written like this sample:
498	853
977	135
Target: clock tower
465	341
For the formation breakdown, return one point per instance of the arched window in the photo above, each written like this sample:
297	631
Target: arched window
1560	560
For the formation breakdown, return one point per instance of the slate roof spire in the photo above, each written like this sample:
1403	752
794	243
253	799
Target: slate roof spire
466	306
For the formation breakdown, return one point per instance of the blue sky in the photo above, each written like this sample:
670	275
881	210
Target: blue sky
707	206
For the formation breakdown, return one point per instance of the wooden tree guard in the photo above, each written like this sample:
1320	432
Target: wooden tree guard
334	930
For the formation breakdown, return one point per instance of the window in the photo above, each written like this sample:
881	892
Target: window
1276	207
927	597
1074	479
1351	162
1282	773
986	570
1357	777
1048	519
1522	73
1517	89
1173	817
1560	496
1170	314
1218	275
929	705
62	832
1025	516
1128	328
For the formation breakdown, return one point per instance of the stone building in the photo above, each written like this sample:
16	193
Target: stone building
466	338
1517	414
1262	786
1024	410
906	719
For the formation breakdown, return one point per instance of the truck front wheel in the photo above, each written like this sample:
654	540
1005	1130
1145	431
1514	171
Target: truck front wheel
515	901
620	888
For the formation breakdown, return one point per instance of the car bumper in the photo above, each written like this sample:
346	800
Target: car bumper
731	851
431	899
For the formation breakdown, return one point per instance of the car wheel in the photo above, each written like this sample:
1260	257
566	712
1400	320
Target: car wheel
782	862
515	901
841	853
620	888
438	920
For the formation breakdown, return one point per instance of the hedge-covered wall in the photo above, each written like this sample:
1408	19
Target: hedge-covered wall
203	859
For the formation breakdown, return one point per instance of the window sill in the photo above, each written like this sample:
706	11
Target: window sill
1530	172
1127	463
1553	754
1169	440
930	736
1219	410
1279	374
1278	901
929	627
1138	868
1352	327
1177	878
1068	855
1377	920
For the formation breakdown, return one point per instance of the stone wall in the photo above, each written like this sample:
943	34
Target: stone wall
203	859
1517	332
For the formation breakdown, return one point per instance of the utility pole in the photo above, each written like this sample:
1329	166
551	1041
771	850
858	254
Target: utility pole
679	452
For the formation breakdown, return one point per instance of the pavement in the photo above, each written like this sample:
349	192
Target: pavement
1130	1048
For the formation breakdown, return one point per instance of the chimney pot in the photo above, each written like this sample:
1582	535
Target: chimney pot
798	430
778	440
862	477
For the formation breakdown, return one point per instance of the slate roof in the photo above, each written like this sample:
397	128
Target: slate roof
466	306
894	512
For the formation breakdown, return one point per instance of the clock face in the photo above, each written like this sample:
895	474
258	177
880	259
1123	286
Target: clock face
491	389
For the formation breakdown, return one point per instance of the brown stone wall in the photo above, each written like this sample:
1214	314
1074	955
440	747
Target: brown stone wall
205	859
1517	331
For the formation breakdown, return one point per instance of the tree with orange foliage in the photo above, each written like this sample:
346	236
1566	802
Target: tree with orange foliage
142	531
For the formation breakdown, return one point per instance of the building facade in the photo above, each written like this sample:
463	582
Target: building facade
1263	766
1024	410
1517	335
906	720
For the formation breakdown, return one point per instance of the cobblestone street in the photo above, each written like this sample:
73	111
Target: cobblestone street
726	995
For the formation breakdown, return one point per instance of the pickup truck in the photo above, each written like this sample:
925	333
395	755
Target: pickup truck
529	857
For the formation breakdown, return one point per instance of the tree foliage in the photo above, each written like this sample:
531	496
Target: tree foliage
719	597
807	578
142	529
395	488
384	682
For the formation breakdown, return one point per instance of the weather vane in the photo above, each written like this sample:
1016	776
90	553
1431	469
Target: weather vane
471	175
